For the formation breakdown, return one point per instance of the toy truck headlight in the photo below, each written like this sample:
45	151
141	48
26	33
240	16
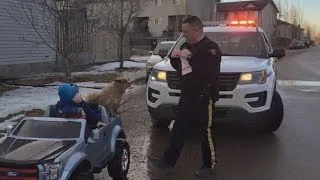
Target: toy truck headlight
53	170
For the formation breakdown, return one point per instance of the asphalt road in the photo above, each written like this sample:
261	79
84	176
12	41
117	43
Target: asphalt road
300	65
289	154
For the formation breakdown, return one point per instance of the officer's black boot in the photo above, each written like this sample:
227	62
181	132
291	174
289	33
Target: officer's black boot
204	171
160	163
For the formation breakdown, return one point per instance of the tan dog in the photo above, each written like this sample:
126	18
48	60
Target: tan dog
111	96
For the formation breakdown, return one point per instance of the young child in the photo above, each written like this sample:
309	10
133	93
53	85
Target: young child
71	105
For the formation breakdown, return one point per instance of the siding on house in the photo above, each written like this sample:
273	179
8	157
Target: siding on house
19	43
158	12
269	20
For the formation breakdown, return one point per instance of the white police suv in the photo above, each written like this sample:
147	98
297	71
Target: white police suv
247	78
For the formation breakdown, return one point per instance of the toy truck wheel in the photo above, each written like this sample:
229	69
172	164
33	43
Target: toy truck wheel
118	167
82	172
274	116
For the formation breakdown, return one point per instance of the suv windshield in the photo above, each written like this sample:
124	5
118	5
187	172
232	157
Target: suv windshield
48	129
239	43
236	43
165	47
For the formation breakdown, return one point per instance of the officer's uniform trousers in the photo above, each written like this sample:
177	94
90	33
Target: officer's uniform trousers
194	110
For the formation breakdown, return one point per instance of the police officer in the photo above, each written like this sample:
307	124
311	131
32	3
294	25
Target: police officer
198	63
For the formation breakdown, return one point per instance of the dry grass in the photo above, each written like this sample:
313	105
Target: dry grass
34	113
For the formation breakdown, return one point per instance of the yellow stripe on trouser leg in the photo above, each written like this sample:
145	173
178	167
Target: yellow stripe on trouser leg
212	150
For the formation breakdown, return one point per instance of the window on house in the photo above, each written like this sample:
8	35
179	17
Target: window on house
157	2
157	20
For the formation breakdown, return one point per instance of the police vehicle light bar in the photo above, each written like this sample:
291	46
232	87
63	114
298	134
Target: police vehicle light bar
248	23
243	22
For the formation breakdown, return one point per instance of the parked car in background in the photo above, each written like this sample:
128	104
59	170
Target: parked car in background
296	44
307	42
162	48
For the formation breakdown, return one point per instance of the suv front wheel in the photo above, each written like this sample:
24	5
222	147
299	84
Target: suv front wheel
274	115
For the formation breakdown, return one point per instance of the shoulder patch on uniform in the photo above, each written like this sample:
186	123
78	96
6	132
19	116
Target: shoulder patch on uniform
213	51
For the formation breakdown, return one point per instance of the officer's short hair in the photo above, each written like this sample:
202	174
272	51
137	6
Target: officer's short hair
193	21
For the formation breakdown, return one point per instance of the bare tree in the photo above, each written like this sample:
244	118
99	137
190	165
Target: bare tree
308	30
65	26
119	17
282	6
295	14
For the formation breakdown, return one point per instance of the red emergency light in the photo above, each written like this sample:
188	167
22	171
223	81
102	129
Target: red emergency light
242	23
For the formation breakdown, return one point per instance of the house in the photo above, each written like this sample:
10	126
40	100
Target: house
31	48
263	12
286	32
21	49
164	17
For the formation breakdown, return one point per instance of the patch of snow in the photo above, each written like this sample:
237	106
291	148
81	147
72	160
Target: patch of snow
4	124
84	84
140	58
28	98
115	65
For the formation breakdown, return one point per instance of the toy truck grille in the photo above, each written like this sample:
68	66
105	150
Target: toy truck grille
228	81
16	172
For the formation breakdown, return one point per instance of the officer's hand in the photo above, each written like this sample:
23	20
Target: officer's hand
175	53
184	53
101	124
83	114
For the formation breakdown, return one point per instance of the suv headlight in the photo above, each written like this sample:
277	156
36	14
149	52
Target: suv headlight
53	170
259	77
157	75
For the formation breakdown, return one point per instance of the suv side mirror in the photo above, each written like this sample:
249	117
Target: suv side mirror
9	129
279	53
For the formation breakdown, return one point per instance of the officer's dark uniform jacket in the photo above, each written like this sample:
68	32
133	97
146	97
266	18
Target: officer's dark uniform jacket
205	63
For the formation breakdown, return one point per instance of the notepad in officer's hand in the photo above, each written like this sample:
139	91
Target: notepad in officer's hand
186	68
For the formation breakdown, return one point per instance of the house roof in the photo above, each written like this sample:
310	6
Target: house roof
289	24
245	5
283	22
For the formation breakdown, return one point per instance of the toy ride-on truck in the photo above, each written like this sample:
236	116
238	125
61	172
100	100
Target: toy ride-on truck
51	148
